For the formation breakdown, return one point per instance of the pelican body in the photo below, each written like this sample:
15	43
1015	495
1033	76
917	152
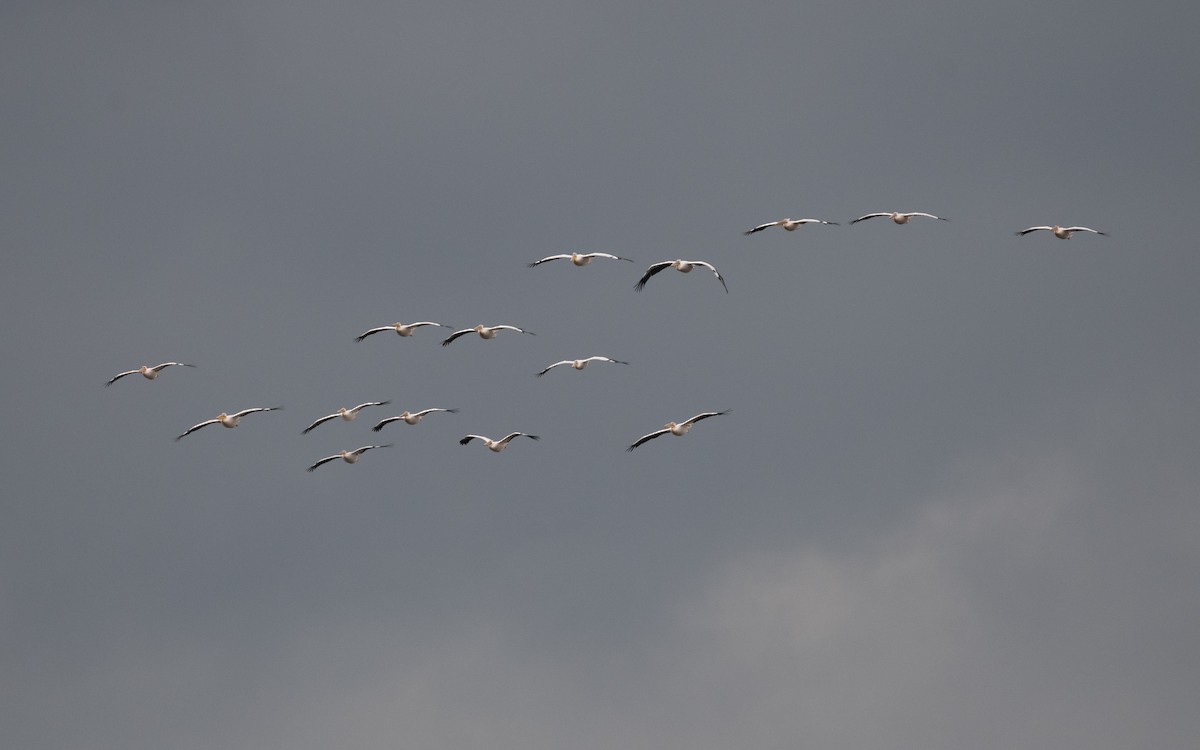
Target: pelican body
227	420
410	417
898	217
146	371
683	266
347	415
578	259
1063	233
496	446
485	332
401	329
677	428
350	457
789	224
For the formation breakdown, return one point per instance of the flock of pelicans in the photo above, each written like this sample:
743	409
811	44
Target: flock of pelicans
151	372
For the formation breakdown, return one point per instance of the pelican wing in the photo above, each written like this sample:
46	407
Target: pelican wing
360	407
120	375
610	256
430	411
644	438
871	216
606	359
373	331
320	421
928	216
387	421
325	460
156	368
511	328
457	334
761	227
1084	229
469	438
1024	232
716	273
504	440
244	412
365	448
549	258
551	367
656	268
195	427
706	415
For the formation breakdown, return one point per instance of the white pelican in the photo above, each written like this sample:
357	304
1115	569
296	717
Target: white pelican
674	428
146	371
1063	233
899	218
228	420
350	457
579	364
346	414
497	445
579	259
401	329
485	332
410	417
789	224
683	266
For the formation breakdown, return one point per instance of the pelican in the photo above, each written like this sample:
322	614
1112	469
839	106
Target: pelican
410	417
674	428
350	457
402	329
497	445
683	266
346	414
485	332
146	371
579	364
579	259
789	224
1063	233
899	218
228	420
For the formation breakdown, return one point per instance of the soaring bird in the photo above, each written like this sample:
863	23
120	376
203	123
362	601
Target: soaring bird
899	218
350	457
683	266
347	415
677	428
497	445
789	224
410	417
485	332
579	259
1063	233
579	364
146	371
228	420
402	329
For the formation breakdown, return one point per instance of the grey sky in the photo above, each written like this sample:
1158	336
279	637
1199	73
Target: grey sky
955	504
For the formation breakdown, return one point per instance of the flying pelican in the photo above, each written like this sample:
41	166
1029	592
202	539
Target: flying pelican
684	266
350	457
579	259
485	332
497	445
146	371
228	420
1063	233
400	328
346	414
410	417
579	364
789	224
899	218
680	428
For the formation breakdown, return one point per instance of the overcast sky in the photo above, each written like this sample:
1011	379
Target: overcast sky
955	504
